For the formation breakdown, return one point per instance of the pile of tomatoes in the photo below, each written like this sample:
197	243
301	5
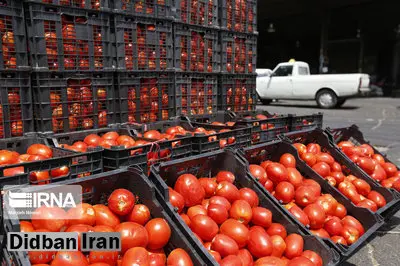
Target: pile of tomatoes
14	105
8	44
302	197
144	53
199	100
239	98
82	100
232	226
386	173
199	55
355	189
197	12
143	238
237	52
243	13
95	4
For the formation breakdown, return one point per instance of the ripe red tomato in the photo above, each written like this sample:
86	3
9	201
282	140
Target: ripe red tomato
218	213
103	229
132	235
284	192
250	196
228	191
353	222
301	261
269	261
262	217
40	149
316	214
326	158
277	229
176	199
279	246
79	228
294	177
245	257
157	257
300	215
225	176
92	140
26	227
49	218
368	204
379	159
341	211
322	168
220	201
140	214
301	148
69	258
338	176
335	167
339	240
179	257
305	195
224	245
350	234
196	210
269	186
136	256
209	185
241	211
328	203
258	173
83	213
294	246
288	160
121	201
334	226
204	227
367	164
235	230
217	257
377	198
104	216
379	173
159	233
190	188
259	243
277	173
322	233
309	159
37	257
313	148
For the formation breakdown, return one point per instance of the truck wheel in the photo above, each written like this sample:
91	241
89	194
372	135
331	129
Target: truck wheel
326	99
340	102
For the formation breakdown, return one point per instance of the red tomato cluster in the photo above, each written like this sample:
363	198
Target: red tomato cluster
238	55
242	12
197	12
150	92
144	53
326	217
8	43
198	54
237	99
145	7
82	100
14	105
386	173
95	4
199	97
355	189
231	224
142	238
35	152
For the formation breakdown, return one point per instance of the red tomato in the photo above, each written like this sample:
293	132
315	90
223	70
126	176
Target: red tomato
262	217
107	257
305	195
136	256
367	164
300	147
301	261
277	229
104	216
284	192
83	213
368	204
196	210
316	214
241	211
379	173
350	234
309	159
37	257
231	260
338	176
217	257
379	159
121	201
367	150
228	191
225	176
377	198
140	214
353	222
258	173
157	257
224	245
152	134
111	135
204	227
269	261
249	195
288	160
220	201
186	219
334	226
209	186
235	230
322	233
49	218
132	235
269	186
264	164
40	149
328	203
259	244
58	172
92	140
341	211
335	167
103	229
313	148
179	257
159	233
294	246
69	258
279	246
294	177
322	168
339	240
218	213
190	188
245	257
26	227
277	173
176	200
325	157
300	215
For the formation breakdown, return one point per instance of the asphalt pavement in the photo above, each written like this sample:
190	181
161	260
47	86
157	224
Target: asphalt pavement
379	120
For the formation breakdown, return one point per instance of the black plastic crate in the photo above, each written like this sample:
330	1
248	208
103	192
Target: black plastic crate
196	94
196	49
15	104
273	151
96	190
143	43
69	39
79	164
103	5
238	53
145	96
144	8
237	92
208	165
238	15
13	48
196	12
301	122
318	136
65	102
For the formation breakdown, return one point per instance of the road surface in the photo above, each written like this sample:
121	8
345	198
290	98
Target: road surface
379	120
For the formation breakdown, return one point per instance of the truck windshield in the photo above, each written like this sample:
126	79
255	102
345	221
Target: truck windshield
283	71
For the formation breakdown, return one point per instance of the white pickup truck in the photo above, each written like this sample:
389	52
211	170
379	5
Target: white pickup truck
293	81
